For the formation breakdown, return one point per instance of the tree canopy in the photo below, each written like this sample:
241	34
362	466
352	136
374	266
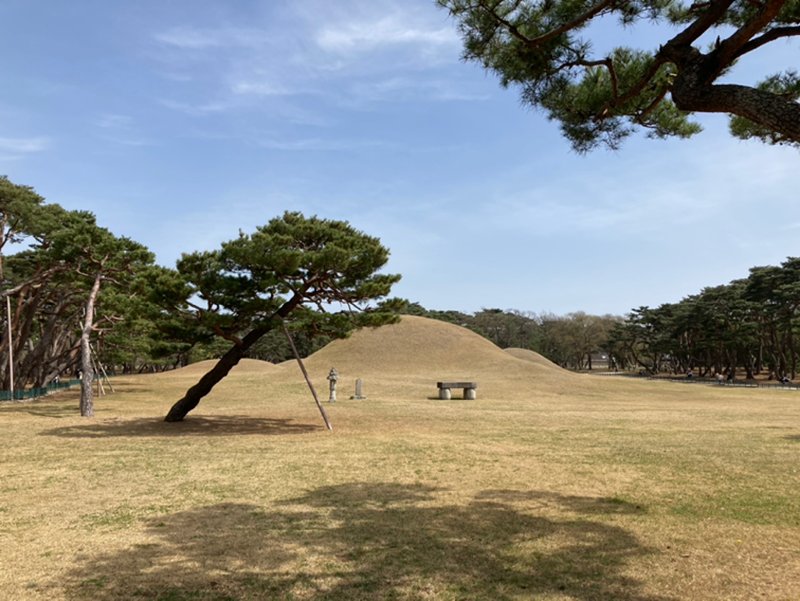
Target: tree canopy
55	283
315	274
544	47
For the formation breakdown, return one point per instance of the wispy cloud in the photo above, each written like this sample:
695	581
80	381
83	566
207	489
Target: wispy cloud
403	89
120	129
25	145
189	39
197	110
114	121
259	88
391	30
321	145
367	51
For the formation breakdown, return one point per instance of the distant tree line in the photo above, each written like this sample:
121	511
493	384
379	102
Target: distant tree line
751	324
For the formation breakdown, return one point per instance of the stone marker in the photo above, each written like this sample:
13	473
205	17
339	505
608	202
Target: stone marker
358	395
333	377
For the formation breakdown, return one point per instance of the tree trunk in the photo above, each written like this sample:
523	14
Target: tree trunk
87	394
692	89
748	366
87	379
226	363
192	397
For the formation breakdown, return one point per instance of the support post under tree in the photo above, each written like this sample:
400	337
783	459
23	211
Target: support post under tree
305	374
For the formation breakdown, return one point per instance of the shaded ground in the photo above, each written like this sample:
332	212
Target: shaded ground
376	541
219	425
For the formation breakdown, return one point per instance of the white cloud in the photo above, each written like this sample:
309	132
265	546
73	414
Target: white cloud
387	31
25	145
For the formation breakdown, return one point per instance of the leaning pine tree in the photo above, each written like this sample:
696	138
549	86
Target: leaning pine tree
290	270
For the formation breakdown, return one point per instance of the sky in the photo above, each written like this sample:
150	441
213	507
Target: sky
181	122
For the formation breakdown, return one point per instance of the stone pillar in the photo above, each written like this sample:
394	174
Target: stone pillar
358	394
333	377
470	394
444	394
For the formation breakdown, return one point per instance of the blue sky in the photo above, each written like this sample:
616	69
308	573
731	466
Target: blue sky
179	123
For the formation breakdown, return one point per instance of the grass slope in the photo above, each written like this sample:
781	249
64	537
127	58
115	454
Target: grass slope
533	356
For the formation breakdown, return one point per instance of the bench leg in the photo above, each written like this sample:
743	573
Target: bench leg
444	394
470	394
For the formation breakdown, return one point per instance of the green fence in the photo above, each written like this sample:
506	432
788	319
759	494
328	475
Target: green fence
32	393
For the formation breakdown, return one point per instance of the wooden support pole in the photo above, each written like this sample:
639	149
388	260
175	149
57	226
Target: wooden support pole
105	375
305	374
100	389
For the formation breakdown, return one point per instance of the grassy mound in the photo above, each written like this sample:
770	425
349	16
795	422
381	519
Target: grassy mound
415	345
418	345
409	357
533	357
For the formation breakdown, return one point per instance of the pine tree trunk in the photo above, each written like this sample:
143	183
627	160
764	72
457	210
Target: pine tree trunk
87	379
192	397
87	394
228	361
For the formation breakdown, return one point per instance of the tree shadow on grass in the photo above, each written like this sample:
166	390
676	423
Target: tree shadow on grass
53	411
227	425
376	541
60	404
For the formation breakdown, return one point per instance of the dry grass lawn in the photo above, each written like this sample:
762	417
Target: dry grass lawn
549	486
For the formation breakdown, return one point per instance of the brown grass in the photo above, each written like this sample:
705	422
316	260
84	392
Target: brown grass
549	486
533	356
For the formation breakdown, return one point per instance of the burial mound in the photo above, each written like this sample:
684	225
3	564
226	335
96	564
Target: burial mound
418	346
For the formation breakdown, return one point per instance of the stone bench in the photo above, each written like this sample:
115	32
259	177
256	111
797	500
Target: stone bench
469	389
